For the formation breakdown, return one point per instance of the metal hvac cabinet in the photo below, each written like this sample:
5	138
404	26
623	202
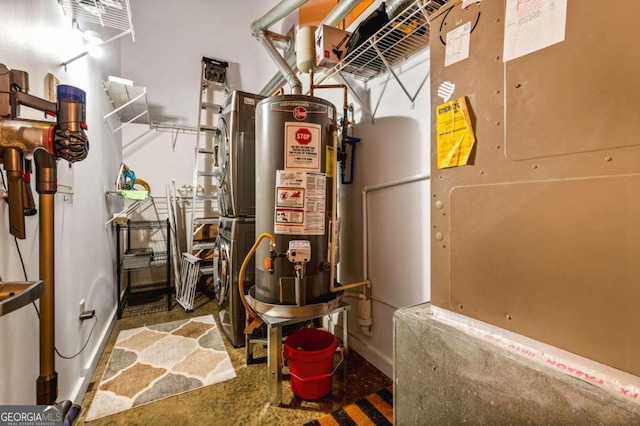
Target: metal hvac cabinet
142	247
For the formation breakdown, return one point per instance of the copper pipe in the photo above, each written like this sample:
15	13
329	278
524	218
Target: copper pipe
47	383
331	86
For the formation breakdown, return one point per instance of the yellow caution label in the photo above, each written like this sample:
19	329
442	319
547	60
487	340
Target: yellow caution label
455	138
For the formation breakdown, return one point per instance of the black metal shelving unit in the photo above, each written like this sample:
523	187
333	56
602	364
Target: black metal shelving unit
138	299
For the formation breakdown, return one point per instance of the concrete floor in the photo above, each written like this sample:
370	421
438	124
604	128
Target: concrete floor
242	400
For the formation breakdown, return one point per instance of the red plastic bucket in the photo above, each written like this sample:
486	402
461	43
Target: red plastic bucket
310	355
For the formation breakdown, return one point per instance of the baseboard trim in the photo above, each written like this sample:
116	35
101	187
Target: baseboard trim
78	395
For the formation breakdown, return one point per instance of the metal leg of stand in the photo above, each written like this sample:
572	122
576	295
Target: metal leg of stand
274	364
248	349
345	343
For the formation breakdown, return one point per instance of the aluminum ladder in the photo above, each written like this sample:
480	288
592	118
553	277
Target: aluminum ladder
204	199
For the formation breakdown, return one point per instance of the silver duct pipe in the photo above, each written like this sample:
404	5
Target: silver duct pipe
288	73
259	31
280	41
278	80
278	12
342	9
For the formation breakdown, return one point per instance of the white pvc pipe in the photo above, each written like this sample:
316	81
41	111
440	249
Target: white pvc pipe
278	12
342	9
365	318
410	179
365	191
283	66
389	303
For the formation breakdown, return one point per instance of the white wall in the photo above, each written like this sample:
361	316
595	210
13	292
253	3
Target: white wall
395	147
171	39
36	37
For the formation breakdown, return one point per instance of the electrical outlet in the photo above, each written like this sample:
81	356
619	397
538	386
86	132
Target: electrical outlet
87	315
81	307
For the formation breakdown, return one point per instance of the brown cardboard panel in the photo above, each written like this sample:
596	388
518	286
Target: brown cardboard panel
554	260
538	190
206	232
581	94
480	79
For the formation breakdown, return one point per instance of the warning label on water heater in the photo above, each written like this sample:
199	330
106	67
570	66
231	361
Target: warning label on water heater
302	146
300	203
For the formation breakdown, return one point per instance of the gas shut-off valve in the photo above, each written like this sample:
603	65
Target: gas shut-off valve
299	252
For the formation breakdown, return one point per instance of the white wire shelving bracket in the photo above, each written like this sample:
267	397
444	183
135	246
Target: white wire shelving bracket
405	35
106	13
129	209
175	129
130	106
129	103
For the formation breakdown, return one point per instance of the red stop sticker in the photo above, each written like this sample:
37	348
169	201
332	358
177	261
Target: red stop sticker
303	136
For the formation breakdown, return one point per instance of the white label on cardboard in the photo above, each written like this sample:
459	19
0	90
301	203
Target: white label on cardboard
533	25
466	3
457	48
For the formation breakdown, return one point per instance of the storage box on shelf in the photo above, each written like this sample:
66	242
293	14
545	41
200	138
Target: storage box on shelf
404	35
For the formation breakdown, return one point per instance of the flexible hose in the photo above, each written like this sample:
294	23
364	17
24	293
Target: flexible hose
256	321
143	184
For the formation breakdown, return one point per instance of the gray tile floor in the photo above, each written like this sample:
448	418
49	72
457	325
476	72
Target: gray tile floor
240	401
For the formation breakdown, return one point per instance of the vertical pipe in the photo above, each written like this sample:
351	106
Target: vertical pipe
47	383
279	11
169	265
281	64
301	291
46	184
334	205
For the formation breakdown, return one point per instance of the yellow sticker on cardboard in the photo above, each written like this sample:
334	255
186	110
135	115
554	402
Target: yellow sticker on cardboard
455	137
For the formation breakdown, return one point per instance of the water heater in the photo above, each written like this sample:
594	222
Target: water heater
295	172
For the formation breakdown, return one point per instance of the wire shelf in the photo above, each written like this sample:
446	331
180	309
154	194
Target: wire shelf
405	35
107	13
129	102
